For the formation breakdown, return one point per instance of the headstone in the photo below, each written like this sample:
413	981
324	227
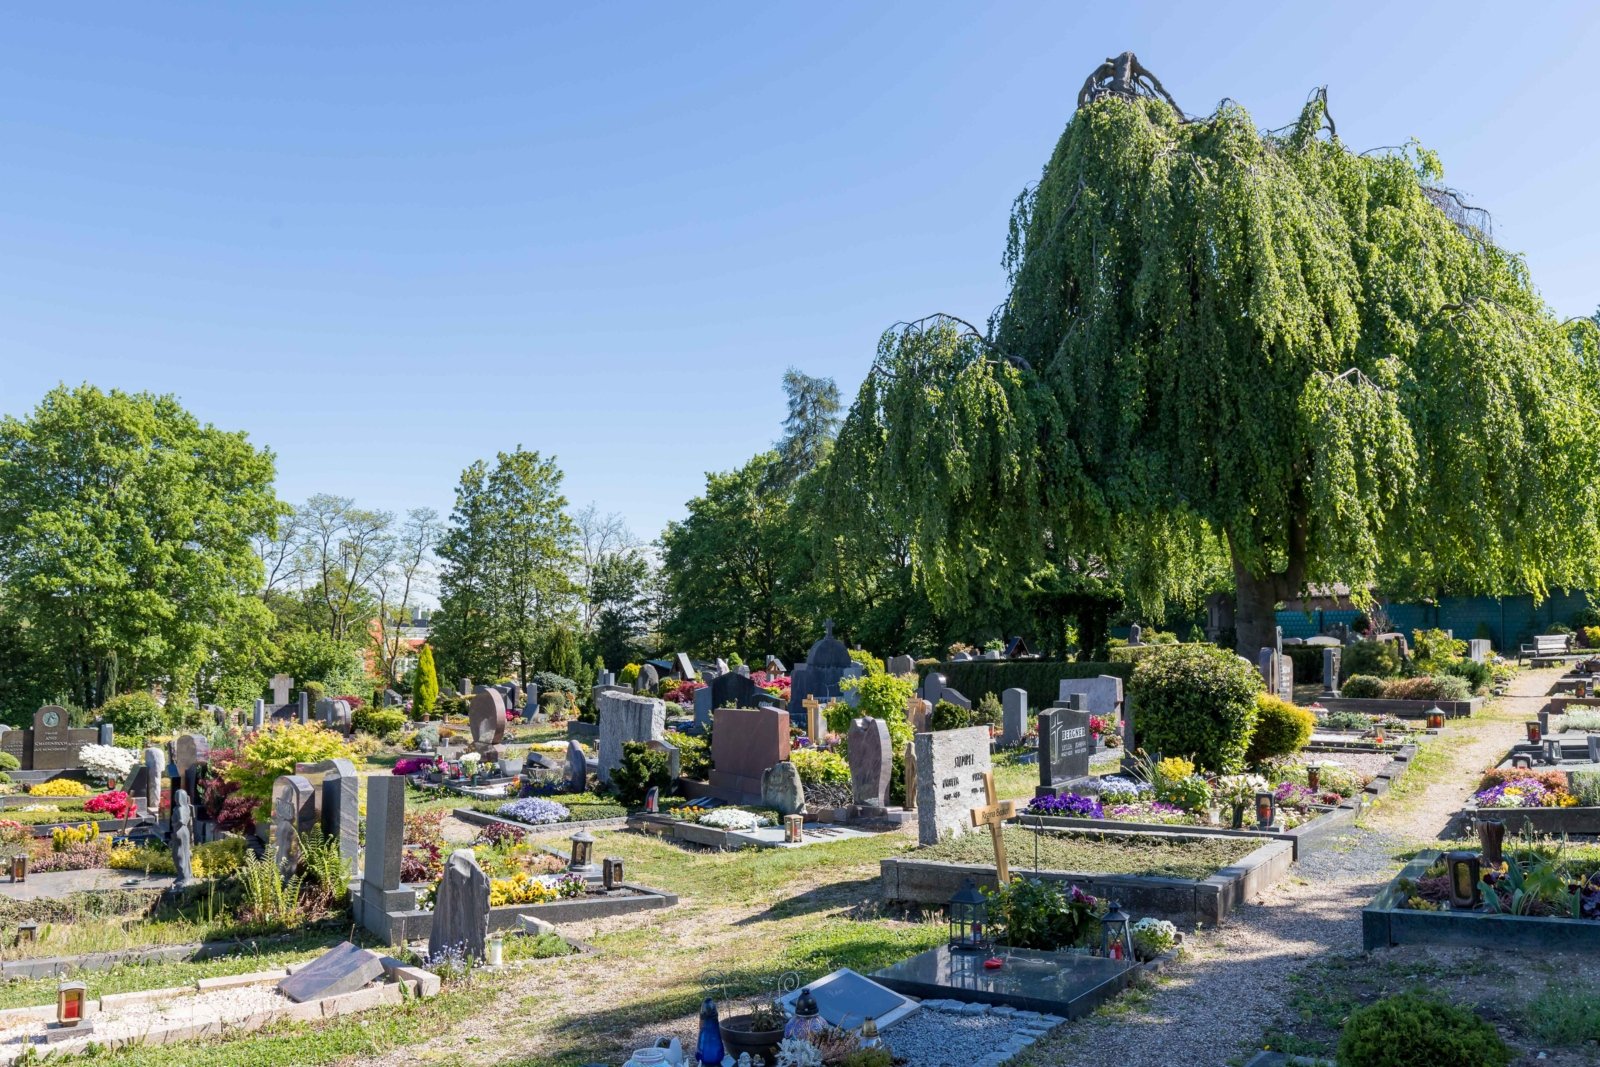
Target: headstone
826	665
342	969
736	691
625	718
605	678
744	743
848	692
1065	745
993	653
487	716
1330	670
340	807
674	757
816	728
902	665
258	717
460	910
1014	716
1102	695
703	705
305	707
1135	634
1479	650
530	702
155	775
993	814
466	687
951	765
1594	747
190	752
54	745
961	657
386	831
1277	637
183	837
577	768
775	665
742	669
392	699
871	762
956	697
933	687
334	714
281	684
910	758
685	666
105	729
722	665
294	812
648	680
918	712
782	790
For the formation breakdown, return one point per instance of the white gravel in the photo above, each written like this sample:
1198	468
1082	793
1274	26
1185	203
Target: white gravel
970	1035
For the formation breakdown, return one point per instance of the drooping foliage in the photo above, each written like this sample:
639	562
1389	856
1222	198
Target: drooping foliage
1214	334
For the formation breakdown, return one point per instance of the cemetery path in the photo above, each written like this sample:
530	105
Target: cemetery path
1230	986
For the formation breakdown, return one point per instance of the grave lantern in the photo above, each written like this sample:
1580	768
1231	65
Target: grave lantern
70	998
611	873
968	914
652	800
582	852
1116	935
1552	750
19	867
27	932
1314	777
1534	735
807	1022
1464	869
793	828
1435	718
1266	810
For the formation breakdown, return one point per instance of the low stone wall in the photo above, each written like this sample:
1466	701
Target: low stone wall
1308	835
483	818
1541	820
416	925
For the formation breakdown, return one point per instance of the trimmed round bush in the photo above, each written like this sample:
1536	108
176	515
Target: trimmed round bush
1282	729
1381	658
134	715
384	723
1406	1030
948	716
8	762
1362	687
1197	701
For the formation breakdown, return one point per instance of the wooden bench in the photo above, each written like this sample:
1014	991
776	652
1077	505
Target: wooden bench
1546	646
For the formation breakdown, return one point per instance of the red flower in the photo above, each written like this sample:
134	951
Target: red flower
116	803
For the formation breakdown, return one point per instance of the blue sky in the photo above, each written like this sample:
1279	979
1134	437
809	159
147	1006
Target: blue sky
389	239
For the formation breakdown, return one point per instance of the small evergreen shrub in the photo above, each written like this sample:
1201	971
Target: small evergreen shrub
641	768
1477	675
817	767
1409	1029
1362	687
8	762
549	681
134	715
694	755
1196	700
384	723
1381	658
988	711
948	716
1282	729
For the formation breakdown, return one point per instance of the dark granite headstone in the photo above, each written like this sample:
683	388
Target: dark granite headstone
1065	745
648	680
183	837
736	691
871	762
294	812
460	910
54	747
342	969
386	830
577	767
487	715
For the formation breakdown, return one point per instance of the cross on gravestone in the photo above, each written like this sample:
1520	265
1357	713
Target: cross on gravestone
993	815
1065	745
281	684
813	708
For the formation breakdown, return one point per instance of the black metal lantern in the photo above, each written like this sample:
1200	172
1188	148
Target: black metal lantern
1464	869
582	853
1116	935
1314	777
611	873
968	914
1534	735
1266	810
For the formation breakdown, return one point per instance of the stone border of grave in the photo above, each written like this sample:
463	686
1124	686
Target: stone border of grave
195	951
483	818
1539	820
1393	772
1208	900
1309	833
107	826
1384	923
401	983
694	833
1405	709
415	925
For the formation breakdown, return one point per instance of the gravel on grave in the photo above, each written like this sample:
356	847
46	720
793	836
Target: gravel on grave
939	1039
142	1017
1365	763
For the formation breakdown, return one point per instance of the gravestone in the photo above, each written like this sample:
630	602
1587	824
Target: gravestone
624	718
743	668
774	666
1330	670
183	837
281	684
918	714
827	664
849	693
1479	650
460	910
339	803
53	744
1135	634
392	699
951	765
703	706
871	763
961	657
386	831
902	665
736	691
933	687
744	743
1014	716
685	666
956	697
258	716
781	789
577	768
190	752
334	714
530	705
1065	745
305	707
487	716
722	665
466	687
910	758
342	969
648	680
155	774
294	812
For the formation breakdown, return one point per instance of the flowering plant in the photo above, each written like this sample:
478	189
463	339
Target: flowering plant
1239	790
1069	805
1118	790
1152	937
535	810
412	764
1293	795
117	804
733	819
107	763
1524	793
470	761
1158	811
776	684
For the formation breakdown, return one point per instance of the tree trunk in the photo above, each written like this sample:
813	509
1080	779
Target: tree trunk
1255	618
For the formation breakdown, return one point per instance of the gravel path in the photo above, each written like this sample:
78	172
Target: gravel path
1227	989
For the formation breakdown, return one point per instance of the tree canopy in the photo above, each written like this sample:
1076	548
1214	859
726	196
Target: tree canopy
1256	342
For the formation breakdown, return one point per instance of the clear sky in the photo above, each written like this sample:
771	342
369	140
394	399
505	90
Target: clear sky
388	239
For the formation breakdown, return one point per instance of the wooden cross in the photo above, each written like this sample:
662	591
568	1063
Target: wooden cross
813	719
993	816
914	714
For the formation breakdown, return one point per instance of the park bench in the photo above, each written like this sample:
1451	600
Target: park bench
1546	646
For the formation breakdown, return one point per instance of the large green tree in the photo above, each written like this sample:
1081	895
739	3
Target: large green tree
1312	357
126	556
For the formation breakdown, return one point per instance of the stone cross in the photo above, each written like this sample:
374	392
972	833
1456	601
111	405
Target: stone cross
813	708
281	684
993	815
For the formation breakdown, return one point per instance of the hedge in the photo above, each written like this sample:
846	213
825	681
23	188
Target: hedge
976	677
1307	662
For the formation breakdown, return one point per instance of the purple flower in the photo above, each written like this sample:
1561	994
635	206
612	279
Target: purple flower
534	810
1070	805
1293	795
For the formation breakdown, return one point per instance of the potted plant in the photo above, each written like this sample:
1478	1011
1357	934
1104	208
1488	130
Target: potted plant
758	1031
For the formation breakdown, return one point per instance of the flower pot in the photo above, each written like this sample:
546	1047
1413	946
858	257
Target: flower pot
737	1038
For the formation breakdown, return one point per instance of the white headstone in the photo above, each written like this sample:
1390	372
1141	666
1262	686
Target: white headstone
950	769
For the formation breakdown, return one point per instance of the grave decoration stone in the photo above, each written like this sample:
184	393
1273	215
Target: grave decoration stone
1330	670
674	757
782	790
623	718
744	743
950	769
155	775
871	764
460	910
722	665
994	815
737	691
577	768
183	837
703	706
342	969
685	667
648	680
294	812
910	758
826	665
281	684
1065	745
902	665
1014	716
487	716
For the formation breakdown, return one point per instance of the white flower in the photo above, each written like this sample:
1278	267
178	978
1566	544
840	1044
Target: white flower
733	819
107	762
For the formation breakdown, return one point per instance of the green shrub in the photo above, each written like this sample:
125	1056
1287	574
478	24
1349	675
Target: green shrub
987	712
452	706
1041	678
548	681
274	750
948	716
817	767
880	696
1478	675
1362	687
641	768
8	762
135	715
553	702
1427	687
628	674
1307	660
694	755
1409	1029
1433	650
869	663
1380	658
1282	729
1196	700
384	723
425	690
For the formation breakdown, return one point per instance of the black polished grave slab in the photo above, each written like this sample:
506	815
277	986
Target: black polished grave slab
1055	983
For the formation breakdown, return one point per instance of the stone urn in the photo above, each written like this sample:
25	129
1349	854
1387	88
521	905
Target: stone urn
737	1037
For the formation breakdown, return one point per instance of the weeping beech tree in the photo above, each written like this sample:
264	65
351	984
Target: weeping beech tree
1312	362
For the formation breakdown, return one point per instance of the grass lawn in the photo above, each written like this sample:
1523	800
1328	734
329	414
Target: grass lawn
1097	854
